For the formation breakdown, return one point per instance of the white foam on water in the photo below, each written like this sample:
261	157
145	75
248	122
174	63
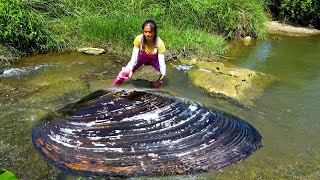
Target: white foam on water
182	67
23	70
13	72
205	70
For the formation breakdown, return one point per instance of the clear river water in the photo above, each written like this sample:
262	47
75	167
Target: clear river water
286	114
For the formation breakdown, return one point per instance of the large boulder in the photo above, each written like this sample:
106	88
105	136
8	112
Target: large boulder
240	85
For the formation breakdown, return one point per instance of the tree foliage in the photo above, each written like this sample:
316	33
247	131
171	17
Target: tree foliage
23	29
301	12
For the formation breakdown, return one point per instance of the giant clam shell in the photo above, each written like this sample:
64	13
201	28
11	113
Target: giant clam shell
125	133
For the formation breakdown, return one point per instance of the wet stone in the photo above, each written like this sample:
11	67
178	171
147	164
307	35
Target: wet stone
91	51
239	85
147	73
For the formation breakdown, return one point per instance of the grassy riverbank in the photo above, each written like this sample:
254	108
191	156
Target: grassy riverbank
188	27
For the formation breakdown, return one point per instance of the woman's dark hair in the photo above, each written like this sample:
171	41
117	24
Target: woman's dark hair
153	26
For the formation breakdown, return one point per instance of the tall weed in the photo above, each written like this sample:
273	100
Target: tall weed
117	31
191	43
230	18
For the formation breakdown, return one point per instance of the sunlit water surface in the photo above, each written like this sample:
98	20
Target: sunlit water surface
287	114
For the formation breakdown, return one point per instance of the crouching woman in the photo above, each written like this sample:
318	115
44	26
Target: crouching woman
148	50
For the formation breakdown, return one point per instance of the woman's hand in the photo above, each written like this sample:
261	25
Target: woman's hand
130	74
161	78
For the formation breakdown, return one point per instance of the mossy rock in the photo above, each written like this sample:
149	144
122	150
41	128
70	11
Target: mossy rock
147	73
92	51
240	85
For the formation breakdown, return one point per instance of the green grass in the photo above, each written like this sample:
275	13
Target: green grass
193	43
188	27
116	32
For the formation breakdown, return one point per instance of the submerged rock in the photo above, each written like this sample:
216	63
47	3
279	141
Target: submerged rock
92	51
240	85
148	73
247	40
126	133
5	63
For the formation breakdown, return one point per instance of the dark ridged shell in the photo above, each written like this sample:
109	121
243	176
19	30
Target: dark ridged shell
124	133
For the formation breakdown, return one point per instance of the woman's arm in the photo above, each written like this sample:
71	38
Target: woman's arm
133	61
162	65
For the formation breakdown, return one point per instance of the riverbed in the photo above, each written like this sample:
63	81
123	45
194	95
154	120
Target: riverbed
286	114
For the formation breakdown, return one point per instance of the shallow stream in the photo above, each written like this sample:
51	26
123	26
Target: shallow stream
287	113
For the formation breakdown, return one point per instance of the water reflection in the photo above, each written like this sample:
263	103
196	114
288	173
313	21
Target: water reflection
258	56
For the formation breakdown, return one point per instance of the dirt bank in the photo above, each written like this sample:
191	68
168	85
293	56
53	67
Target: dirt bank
275	27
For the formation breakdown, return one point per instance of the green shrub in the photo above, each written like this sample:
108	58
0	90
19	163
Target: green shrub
301	12
304	12
22	29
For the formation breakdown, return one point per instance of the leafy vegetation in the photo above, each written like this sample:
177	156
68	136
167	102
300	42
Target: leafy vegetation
190	27
24	30
7	175
302	12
